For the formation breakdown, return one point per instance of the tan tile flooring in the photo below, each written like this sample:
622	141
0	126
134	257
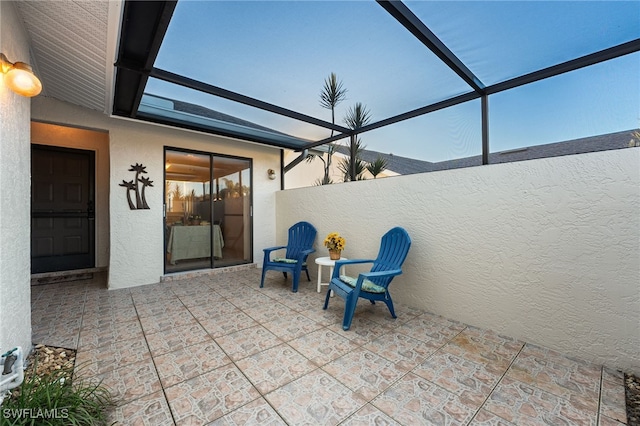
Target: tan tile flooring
219	350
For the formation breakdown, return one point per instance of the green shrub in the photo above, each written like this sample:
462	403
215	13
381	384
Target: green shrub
58	397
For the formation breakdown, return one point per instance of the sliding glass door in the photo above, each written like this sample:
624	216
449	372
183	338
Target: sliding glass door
207	210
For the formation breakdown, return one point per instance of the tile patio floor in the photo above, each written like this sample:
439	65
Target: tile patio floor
219	350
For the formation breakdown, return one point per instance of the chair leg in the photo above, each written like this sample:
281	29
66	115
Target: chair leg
389	303
326	299
285	275
296	280
264	271
307	271
349	309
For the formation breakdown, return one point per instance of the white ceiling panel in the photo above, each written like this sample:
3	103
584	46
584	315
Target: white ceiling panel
70	49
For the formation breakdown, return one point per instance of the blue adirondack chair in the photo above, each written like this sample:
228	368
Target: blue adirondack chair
373	285
299	245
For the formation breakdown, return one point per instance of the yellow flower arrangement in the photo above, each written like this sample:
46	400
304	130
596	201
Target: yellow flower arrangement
334	242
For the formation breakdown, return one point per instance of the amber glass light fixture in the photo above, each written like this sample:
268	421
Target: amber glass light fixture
19	77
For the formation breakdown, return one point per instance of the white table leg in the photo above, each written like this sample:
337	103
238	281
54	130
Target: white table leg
330	277
319	276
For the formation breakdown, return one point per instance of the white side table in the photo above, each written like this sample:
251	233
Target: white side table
326	261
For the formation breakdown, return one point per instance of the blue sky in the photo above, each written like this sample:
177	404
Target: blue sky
280	52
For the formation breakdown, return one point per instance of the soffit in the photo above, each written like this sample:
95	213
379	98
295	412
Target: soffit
72	48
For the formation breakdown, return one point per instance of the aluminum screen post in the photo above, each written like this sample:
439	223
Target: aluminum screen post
352	165
485	128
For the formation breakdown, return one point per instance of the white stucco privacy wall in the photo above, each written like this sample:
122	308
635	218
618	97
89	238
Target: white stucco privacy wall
15	205
547	251
136	236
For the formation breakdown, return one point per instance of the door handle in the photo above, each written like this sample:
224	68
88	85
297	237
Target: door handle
90	210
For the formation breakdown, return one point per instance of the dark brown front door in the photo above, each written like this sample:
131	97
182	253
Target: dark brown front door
62	209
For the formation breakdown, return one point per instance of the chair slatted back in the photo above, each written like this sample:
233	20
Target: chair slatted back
301	237
394	248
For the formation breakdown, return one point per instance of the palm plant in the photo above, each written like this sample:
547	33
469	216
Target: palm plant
357	116
321	181
635	139
377	167
359	166
331	95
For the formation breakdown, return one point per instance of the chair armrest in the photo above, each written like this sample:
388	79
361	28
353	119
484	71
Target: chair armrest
340	263
389	273
267	251
369	275
302	256
305	253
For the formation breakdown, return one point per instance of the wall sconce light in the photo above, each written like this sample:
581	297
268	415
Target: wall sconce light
272	174
19	77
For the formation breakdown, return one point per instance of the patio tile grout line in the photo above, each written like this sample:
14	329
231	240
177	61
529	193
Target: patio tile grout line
232	361
412	369
546	391
263	395
84	310
571	392
600	396
146	343
317	367
496	385
390	385
155	366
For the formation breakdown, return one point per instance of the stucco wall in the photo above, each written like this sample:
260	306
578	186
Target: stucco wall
15	205
90	140
136	236
547	251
